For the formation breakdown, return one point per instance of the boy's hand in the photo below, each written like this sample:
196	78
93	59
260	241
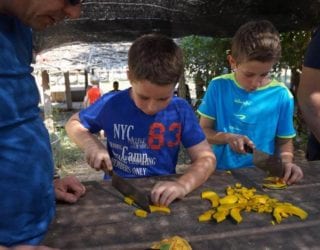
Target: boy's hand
237	142
98	157
165	192
292	173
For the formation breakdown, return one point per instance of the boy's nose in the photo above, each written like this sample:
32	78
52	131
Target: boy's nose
257	82
152	108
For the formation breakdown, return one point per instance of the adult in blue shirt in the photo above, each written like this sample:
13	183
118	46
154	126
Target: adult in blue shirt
27	188
309	95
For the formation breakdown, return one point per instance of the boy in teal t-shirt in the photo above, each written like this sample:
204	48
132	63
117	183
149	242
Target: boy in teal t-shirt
246	107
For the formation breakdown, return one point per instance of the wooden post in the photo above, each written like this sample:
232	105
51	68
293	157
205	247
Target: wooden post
86	81
68	90
47	107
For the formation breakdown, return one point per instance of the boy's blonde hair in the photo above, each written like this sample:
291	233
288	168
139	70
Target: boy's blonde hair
256	41
94	80
155	58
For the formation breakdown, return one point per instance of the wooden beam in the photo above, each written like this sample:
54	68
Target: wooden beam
68	90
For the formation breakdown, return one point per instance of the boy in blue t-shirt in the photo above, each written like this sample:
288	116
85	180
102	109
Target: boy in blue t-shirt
145	124
246	107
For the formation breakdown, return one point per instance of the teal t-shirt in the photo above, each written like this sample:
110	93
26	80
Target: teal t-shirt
262	115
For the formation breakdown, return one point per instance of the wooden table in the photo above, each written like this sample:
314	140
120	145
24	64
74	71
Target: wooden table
101	220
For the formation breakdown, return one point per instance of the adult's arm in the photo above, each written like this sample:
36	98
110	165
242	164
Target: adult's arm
309	98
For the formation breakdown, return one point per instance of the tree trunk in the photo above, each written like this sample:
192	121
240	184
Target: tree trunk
182	90
199	82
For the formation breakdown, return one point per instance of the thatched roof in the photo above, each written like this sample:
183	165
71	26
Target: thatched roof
124	20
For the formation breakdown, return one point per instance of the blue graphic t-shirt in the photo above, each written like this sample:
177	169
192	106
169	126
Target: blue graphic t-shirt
140	144
262	115
26	166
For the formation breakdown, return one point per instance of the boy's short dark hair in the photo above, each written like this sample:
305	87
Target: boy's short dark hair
156	58
256	40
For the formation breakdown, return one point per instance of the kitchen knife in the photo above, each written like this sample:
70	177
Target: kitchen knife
128	190
245	180
268	163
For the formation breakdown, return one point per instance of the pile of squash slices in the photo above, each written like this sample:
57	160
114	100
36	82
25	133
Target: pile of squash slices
239	198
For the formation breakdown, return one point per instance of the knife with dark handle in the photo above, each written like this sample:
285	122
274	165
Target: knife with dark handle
248	149
128	190
268	163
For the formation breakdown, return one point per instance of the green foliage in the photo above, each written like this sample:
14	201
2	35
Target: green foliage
294	44
71	153
205	56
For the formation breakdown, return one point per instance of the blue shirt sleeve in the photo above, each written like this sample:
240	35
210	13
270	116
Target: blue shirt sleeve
207	107
285	128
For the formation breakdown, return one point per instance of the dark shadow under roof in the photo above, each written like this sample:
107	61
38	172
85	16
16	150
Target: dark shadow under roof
124	20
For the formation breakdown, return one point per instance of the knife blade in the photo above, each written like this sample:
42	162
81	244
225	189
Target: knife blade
245	180
268	163
127	189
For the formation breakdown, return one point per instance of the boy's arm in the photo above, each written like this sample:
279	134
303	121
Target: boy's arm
203	164
292	172
236	141
85	101
95	151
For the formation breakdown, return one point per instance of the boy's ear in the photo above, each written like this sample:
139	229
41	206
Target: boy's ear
232	62
129	76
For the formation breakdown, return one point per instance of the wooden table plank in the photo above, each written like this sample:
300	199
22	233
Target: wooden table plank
101	220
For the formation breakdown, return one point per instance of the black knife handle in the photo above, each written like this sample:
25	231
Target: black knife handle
105	169
248	149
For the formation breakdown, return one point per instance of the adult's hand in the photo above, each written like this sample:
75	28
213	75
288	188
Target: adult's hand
68	189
